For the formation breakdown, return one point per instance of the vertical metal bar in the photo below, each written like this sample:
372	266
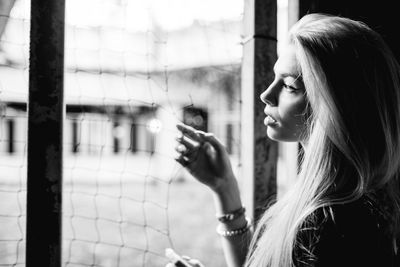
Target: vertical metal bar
293	12
258	152
45	118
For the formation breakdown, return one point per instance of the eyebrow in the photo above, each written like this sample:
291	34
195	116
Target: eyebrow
296	76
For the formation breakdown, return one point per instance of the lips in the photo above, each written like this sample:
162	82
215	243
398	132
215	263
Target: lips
270	121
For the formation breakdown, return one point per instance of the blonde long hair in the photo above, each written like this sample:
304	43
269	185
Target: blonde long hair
352	84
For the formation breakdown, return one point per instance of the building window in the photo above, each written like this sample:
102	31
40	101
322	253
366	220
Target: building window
229	138
196	117
116	137
133	138
75	141
10	135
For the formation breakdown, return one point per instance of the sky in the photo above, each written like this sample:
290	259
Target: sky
145	15
140	15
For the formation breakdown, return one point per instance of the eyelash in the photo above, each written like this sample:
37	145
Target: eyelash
290	88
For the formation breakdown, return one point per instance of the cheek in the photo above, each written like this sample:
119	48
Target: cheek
293	116
292	112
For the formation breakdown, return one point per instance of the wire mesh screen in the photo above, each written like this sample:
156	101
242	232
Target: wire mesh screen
133	70
14	42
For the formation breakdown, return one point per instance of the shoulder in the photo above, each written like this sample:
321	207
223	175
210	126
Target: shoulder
357	217
351	234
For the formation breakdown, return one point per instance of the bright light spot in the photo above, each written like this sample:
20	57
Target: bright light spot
154	126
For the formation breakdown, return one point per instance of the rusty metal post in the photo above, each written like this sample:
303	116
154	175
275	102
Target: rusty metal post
259	153
45	118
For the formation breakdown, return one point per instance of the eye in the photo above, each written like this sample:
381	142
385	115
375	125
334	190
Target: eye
290	88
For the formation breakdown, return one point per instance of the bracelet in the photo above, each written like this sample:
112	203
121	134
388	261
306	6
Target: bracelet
239	231
231	216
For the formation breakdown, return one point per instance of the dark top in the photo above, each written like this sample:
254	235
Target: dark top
352	234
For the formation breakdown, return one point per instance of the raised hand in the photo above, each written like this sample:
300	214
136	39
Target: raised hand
204	157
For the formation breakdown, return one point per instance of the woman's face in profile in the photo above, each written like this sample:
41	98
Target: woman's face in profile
285	100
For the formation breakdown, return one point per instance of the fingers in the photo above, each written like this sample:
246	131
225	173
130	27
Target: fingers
187	152
192	141
209	137
180	260
184	141
181	149
190	132
184	161
186	257
199	136
195	263
188	144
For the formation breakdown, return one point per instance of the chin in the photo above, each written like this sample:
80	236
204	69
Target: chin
280	136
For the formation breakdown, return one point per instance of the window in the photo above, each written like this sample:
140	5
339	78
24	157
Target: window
116	136
229	138
10	136
133	138
75	142
196	117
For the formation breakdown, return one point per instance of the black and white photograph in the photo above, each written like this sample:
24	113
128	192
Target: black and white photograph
199	133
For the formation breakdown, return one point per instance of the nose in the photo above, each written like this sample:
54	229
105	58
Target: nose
270	95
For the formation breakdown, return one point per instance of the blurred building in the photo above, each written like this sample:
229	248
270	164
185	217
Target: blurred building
125	90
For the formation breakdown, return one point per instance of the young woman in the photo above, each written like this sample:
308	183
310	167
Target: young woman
337	92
